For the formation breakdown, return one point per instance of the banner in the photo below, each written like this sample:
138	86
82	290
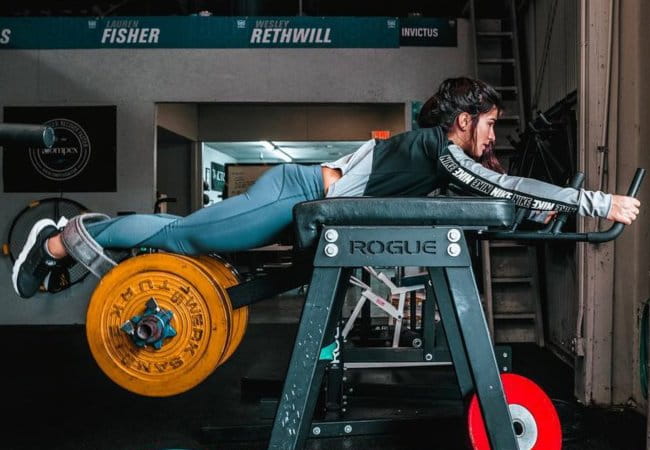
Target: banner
198	32
82	159
224	32
428	32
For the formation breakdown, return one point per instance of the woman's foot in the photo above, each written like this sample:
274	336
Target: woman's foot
34	262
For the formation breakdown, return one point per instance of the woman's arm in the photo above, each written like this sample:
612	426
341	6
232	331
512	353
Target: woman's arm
534	194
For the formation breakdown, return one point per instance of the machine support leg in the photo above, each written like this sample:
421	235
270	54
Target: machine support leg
428	320
305	374
473	344
452	332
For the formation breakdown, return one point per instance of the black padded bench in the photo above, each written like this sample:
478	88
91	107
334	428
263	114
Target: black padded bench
475	212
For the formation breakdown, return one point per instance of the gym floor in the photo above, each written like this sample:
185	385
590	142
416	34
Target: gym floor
55	397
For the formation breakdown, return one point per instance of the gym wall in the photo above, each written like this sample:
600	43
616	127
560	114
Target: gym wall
551	36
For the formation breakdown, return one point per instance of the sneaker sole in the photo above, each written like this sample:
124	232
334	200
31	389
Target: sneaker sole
31	240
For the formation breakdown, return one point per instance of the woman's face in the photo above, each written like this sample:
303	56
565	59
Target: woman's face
484	136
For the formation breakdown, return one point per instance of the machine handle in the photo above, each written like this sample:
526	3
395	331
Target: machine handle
616	229
26	134
556	225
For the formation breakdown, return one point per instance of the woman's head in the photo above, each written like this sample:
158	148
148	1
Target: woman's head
467	110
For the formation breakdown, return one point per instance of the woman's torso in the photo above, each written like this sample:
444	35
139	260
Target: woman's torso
406	164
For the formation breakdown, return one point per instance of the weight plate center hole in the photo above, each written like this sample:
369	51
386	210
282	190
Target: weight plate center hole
519	427
145	331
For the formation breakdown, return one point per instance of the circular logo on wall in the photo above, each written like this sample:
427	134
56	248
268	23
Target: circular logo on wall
68	156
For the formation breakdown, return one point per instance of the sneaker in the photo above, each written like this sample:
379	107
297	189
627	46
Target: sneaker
34	263
58	279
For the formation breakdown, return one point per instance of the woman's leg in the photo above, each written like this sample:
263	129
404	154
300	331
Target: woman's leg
246	221
249	220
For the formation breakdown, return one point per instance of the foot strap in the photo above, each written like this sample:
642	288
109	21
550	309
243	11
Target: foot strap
83	248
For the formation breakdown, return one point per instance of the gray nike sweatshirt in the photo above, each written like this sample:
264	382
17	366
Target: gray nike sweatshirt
417	162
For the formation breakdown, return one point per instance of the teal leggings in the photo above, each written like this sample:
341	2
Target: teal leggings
252	219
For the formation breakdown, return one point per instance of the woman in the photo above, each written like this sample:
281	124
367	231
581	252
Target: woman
454	145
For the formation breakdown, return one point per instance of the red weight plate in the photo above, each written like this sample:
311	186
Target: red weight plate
541	428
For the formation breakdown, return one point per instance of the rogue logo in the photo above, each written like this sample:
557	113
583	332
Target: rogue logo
404	247
69	155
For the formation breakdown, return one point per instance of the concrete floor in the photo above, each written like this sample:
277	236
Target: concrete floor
55	397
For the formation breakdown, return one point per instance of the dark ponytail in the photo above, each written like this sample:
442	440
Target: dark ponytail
458	95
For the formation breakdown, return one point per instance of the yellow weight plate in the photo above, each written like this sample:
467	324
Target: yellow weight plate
221	279
238	330
200	318
227	276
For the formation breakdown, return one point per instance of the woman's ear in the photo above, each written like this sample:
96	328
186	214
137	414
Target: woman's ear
464	121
